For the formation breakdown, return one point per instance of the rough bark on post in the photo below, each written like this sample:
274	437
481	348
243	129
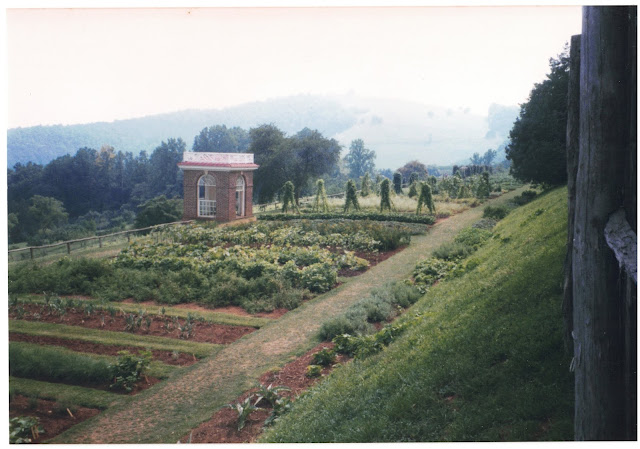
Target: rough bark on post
573	124
598	291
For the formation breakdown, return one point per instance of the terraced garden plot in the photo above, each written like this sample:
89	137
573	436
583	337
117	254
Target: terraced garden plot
139	323
196	349
193	393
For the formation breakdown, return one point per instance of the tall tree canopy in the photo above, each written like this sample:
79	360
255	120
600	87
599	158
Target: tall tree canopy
220	139
359	160
538	138
298	158
106	182
413	167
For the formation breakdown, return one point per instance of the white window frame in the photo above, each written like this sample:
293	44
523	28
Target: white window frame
241	190
206	208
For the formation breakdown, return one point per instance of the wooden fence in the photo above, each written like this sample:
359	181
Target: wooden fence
32	252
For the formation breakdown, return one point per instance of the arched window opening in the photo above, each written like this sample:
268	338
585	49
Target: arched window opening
207	196
240	190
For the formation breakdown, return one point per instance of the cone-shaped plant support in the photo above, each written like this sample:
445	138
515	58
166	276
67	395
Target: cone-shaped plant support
385	200
397	183
365	190
288	198
320	204
426	199
351	196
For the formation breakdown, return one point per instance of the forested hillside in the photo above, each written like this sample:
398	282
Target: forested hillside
394	129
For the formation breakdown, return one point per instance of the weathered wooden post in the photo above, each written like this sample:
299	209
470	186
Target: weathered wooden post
573	124
68	248
605	398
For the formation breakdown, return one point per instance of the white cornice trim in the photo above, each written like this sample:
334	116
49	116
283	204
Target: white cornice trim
223	169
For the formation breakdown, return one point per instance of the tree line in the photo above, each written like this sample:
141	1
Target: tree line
105	190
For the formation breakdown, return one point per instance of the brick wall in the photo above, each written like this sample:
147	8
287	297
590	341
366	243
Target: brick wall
225	194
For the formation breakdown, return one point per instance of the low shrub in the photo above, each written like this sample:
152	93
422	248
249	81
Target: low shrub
354	324
473	237
429	271
497	212
525	197
381	305
128	369
391	239
65	276
372	216
314	371
453	251
318	277
324	357
404	295
377	308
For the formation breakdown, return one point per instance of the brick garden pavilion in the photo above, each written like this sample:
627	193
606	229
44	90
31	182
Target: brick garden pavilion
217	186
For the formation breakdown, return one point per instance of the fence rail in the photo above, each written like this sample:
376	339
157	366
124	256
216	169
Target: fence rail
100	238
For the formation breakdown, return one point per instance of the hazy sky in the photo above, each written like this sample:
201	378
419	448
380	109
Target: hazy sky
84	65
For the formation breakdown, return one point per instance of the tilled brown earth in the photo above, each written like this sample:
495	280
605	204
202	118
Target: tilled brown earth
53	417
167	357
223	427
161	326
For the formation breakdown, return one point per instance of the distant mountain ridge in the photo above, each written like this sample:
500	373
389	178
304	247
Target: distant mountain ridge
397	130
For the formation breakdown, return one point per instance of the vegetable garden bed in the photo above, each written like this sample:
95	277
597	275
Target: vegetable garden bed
168	357
54	417
139	323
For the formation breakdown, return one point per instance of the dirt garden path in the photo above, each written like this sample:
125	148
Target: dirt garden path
168	411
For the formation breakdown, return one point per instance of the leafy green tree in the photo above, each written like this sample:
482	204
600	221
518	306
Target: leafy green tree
476	159
359	160
12	224
413	167
312	155
351	197
489	156
299	158
158	210
220	139
46	213
165	178
271	152
538	138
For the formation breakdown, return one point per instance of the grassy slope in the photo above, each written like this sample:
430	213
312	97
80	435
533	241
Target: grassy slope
485	363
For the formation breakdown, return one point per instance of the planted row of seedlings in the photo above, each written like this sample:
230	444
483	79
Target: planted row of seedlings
107	317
